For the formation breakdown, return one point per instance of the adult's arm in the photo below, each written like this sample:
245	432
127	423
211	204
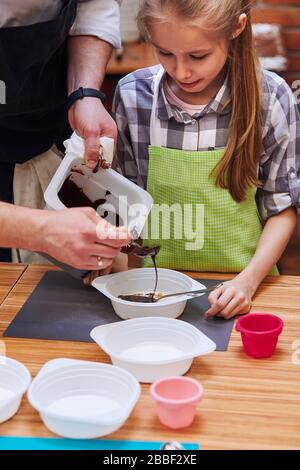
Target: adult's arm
76	237
93	37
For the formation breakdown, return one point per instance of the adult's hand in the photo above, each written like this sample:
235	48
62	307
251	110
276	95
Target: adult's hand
90	120
88	58
80	238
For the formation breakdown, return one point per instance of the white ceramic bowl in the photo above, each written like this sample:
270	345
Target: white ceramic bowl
14	381
81	399
142	280
152	348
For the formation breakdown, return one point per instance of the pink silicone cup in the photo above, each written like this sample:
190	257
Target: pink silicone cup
260	332
176	400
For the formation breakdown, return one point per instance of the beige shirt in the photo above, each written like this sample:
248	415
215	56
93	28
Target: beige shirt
21	13
99	18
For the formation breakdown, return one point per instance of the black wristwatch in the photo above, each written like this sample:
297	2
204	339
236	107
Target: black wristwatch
82	93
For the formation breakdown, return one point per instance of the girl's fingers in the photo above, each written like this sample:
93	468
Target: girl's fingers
220	303
236	302
97	262
106	271
103	250
213	299
120	263
105	266
215	294
242	309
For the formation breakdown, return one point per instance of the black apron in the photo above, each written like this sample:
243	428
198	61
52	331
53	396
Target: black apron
33	66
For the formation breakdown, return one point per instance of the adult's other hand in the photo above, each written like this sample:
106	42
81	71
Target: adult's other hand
80	238
90	120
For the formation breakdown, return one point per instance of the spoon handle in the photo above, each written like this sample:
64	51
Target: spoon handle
194	293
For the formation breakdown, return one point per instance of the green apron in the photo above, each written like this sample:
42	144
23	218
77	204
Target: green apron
206	230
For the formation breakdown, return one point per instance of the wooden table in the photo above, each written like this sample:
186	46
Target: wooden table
9	275
248	403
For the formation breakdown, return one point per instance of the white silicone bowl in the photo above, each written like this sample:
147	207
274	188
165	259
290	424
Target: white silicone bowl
143	280
81	399
152	348
14	381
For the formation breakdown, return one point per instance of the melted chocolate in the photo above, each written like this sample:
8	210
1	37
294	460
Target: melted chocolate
99	202
72	196
77	170
147	298
136	248
156	274
147	251
95	170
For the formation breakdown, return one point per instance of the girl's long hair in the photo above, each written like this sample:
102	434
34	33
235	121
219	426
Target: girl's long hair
237	170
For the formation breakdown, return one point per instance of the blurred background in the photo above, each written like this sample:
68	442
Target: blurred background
276	28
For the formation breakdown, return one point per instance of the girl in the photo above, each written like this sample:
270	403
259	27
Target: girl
207	127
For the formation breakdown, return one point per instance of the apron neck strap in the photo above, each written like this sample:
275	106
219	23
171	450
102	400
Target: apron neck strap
155	129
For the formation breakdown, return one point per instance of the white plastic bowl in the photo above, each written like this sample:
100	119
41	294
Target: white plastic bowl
81	399
14	381
142	280
152	348
131	202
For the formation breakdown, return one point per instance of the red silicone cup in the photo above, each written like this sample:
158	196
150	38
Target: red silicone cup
176	400
260	332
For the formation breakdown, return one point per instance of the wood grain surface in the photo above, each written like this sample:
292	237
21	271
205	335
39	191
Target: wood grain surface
248	403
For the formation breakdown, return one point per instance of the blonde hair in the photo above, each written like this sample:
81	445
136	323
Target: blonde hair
237	170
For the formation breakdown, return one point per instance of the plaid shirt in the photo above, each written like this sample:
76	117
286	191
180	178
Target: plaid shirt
279	167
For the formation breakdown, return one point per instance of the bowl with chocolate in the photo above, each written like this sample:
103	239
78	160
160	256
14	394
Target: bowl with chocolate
133	293
114	197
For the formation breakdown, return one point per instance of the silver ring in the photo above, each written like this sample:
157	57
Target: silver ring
100	262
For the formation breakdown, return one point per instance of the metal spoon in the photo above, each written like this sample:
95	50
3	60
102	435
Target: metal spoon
149	298
192	293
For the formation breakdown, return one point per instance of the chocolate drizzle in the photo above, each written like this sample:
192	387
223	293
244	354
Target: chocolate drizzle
143	298
95	170
137	249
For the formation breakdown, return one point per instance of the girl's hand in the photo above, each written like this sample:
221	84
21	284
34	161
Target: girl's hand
232	298
120	263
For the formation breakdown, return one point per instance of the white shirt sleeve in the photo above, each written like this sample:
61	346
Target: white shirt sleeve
99	18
